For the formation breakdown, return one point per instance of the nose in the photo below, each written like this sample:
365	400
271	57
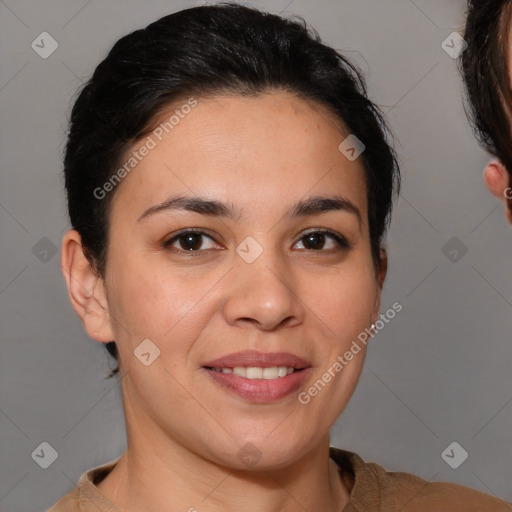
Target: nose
263	294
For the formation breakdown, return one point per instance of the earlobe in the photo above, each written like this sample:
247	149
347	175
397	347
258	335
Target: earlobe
497	180
85	288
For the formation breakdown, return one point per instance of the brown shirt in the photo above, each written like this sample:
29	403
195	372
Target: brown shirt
374	490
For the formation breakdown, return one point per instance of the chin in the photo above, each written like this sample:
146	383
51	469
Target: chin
267	453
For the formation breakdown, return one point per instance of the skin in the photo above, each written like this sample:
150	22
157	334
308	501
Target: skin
496	179
184	431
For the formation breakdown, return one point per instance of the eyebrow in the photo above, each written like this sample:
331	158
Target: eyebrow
315	205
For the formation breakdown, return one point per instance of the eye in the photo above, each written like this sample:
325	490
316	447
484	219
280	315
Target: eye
318	239
192	241
189	241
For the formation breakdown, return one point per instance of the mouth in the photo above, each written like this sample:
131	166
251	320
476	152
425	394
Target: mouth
257	376
258	360
258	372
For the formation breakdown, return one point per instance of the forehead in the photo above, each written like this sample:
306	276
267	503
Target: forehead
263	148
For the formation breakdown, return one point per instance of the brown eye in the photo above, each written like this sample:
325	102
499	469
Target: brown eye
190	241
327	240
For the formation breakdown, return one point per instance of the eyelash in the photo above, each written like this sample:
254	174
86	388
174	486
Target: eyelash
340	239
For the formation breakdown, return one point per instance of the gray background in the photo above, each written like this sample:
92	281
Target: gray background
439	372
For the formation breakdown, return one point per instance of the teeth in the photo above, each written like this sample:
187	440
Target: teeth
269	373
241	372
254	372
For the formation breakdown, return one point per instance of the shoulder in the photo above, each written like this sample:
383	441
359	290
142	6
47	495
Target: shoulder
375	488
86	497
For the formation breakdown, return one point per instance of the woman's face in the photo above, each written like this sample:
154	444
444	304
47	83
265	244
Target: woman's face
259	277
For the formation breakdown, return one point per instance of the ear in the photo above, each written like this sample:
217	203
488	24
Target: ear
381	276
86	289
496	179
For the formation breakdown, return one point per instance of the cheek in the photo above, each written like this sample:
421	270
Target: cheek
151	302
345	300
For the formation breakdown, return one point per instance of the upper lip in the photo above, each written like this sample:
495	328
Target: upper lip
253	358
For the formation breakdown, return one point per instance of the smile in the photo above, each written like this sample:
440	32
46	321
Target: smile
255	372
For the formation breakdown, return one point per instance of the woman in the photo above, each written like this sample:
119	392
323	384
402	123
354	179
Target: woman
229	187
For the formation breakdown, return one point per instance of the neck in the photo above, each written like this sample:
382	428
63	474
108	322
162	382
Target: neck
162	473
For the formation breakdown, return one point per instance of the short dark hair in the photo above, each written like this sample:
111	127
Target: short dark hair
203	51
485	70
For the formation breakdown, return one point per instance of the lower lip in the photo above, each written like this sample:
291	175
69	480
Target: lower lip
260	390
